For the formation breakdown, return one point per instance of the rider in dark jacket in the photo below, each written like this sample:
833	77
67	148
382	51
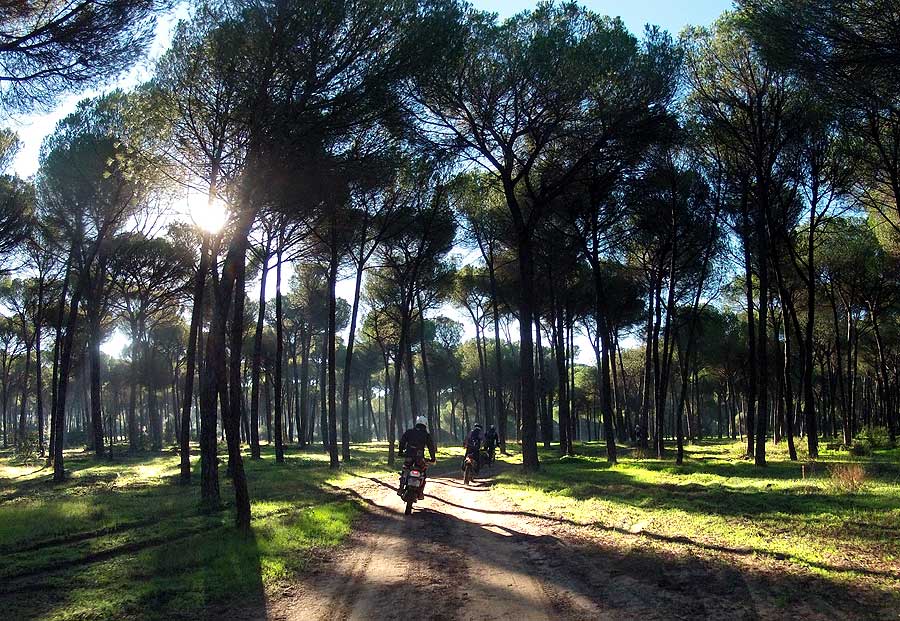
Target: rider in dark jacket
412	446
490	441
473	445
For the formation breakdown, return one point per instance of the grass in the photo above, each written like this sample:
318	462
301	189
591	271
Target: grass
789	515
125	540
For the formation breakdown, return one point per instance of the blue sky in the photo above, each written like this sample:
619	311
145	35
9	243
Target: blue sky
672	15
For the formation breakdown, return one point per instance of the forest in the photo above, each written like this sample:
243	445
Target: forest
316	220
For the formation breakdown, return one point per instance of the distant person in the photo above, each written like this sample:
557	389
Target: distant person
412	446
491	440
473	445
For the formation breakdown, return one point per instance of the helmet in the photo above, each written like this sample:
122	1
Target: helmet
492	428
421	420
477	425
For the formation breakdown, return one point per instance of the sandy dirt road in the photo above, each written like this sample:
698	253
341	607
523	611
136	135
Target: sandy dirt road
462	554
466	553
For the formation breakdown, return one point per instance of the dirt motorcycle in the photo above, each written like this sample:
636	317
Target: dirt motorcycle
488	455
470	468
412	478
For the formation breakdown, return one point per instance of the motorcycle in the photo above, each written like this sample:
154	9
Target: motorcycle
412	478
488	455
469	469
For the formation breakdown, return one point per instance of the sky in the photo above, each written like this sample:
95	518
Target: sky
671	15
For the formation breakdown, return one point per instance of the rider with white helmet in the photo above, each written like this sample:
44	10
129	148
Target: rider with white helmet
413	445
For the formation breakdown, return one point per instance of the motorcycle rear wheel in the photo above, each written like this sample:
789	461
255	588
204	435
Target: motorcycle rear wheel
409	504
468	475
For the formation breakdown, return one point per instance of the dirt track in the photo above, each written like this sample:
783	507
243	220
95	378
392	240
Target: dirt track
466	553
461	555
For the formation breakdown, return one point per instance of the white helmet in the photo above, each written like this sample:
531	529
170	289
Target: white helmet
421	420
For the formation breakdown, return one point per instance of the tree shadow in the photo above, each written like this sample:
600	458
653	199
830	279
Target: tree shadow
583	479
678	578
878	535
147	552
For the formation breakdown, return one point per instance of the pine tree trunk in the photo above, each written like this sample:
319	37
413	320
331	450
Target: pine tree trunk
305	341
279	359
332	366
348	361
752	369
530	461
256	362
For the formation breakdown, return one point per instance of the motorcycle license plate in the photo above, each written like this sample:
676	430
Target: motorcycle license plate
414	481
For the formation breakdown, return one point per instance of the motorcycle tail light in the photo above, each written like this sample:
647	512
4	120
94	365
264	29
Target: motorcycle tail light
415	473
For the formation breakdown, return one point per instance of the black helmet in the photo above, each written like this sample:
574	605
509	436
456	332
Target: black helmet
477	425
492	428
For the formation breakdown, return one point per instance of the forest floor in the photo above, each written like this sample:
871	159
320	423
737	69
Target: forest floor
715	538
123	540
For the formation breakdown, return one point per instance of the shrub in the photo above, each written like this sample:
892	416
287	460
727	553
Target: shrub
26	449
848	478
75	438
861	449
878	437
869	440
643	453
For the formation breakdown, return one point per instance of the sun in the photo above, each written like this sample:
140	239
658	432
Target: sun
211	216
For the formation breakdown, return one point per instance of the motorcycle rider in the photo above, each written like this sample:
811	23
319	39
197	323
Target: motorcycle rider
412	446
473	446
490	442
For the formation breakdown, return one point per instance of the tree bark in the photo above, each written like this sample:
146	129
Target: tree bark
429	400
530	460
348	361
395	391
565	440
498	354
604	338
752	374
279	358
65	363
209	394
762	361
257	356
215	382
305	341
191	359
546	417
236	388
332	366
644	424
23	404
809	404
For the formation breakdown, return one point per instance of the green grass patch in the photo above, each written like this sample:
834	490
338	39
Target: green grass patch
123	539
718	502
